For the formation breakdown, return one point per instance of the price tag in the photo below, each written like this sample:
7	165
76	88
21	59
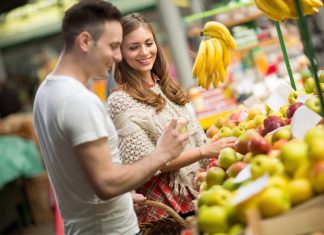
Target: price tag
279	96
304	119
249	190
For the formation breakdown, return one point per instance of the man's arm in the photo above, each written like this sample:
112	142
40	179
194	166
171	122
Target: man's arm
109	180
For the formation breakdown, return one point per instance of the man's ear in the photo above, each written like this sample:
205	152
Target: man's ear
84	41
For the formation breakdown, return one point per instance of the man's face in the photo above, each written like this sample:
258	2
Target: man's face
106	51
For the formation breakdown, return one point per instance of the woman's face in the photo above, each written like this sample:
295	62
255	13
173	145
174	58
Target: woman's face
139	50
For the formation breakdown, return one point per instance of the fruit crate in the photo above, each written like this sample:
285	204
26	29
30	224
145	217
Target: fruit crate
305	218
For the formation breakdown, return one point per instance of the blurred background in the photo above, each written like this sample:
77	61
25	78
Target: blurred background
29	47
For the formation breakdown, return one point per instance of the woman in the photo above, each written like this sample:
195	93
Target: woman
144	101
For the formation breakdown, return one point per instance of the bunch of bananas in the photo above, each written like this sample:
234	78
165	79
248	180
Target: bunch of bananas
279	10
213	55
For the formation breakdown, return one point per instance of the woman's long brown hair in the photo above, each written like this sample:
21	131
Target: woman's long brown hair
130	80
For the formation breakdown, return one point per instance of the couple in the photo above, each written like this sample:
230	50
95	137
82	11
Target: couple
82	150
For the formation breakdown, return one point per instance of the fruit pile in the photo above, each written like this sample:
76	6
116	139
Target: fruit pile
213	55
279	10
266	146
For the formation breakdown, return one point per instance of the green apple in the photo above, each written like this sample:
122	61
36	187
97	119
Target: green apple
225	131
292	97
279	181
316	149
238	130
282	133
309	85
213	219
314	104
230	185
215	176
258	119
252	112
274	201
293	154
219	122
236	229
316	176
314	133
262	164
226	157
300	190
208	198
203	186
283	109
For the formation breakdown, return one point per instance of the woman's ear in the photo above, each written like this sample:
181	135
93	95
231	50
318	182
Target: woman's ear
84	41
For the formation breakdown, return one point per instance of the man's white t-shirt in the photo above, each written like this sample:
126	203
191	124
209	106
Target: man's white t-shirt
67	114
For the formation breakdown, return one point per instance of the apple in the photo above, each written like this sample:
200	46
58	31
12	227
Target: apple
262	164
208	198
321	76
316	132
239	156
300	190
219	122
292	97
215	176
272	118
199	178
316	149
211	131
203	187
212	162
277	145
274	201
226	157
292	108
258	119
236	229
293	154
248	157
282	133
309	85
213	219
314	104
277	113
230	185
279	181
252	112
316	176
258	145
283	109
238	130
235	168
241	145
229	123
225	131
271	127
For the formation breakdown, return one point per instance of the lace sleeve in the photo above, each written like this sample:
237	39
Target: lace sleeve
133	147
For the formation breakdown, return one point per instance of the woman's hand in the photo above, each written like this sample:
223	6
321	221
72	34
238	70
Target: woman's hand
213	149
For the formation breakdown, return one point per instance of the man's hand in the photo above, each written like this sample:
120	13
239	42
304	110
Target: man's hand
138	200
172	141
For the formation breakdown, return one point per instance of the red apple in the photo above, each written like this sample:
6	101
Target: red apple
259	146
241	146
212	162
316	176
272	118
211	131
292	108
272	126
235	168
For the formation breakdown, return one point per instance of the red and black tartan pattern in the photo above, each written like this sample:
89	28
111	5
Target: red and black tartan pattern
158	189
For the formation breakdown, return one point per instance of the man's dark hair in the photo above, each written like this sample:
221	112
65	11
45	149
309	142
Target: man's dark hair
87	15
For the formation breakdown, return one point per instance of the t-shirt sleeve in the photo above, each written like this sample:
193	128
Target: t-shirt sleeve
86	121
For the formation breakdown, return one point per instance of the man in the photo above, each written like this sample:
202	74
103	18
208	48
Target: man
77	138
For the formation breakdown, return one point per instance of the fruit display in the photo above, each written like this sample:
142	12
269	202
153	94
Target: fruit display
213	55
265	146
279	10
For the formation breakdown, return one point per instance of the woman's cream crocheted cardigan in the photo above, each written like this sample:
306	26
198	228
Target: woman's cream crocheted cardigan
139	126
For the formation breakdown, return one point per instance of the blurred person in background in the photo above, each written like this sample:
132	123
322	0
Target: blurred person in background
9	99
144	101
77	138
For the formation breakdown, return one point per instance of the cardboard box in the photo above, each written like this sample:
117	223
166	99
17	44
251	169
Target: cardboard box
300	220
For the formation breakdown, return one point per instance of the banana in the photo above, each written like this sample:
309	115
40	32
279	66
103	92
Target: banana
215	29
315	3
268	10
209	81
210	56
226	55
215	80
201	55
281	7
222	73
218	52
202	76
